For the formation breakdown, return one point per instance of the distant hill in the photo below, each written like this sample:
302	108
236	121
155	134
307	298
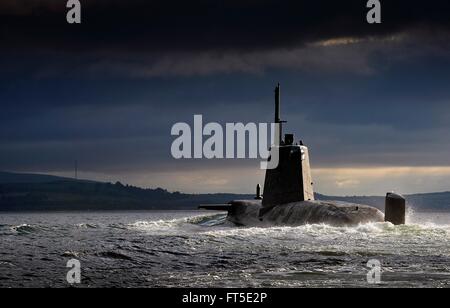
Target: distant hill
34	192
419	202
10	178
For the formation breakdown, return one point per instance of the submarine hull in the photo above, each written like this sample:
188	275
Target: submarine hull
334	213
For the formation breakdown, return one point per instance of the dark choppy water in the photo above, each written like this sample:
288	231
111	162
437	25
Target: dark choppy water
198	249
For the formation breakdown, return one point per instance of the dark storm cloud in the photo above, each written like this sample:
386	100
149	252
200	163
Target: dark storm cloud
142	38
159	26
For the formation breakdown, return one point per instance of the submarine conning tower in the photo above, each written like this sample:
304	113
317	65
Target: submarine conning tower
291	180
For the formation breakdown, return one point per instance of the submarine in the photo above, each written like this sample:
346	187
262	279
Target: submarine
288	198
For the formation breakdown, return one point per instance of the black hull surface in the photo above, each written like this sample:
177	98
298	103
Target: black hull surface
333	213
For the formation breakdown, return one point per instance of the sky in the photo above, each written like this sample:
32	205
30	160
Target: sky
371	101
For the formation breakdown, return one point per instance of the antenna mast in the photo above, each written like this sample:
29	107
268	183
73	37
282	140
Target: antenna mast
277	112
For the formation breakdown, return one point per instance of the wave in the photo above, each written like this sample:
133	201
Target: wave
24	229
87	226
114	255
217	227
181	225
156	224
72	254
159	227
317	230
209	221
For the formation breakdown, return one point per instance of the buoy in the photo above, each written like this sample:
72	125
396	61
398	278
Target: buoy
395	209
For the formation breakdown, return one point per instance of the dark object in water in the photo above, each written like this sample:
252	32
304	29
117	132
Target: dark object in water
288	198
258	192
395	209
333	213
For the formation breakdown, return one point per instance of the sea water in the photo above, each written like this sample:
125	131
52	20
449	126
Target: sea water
202	249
